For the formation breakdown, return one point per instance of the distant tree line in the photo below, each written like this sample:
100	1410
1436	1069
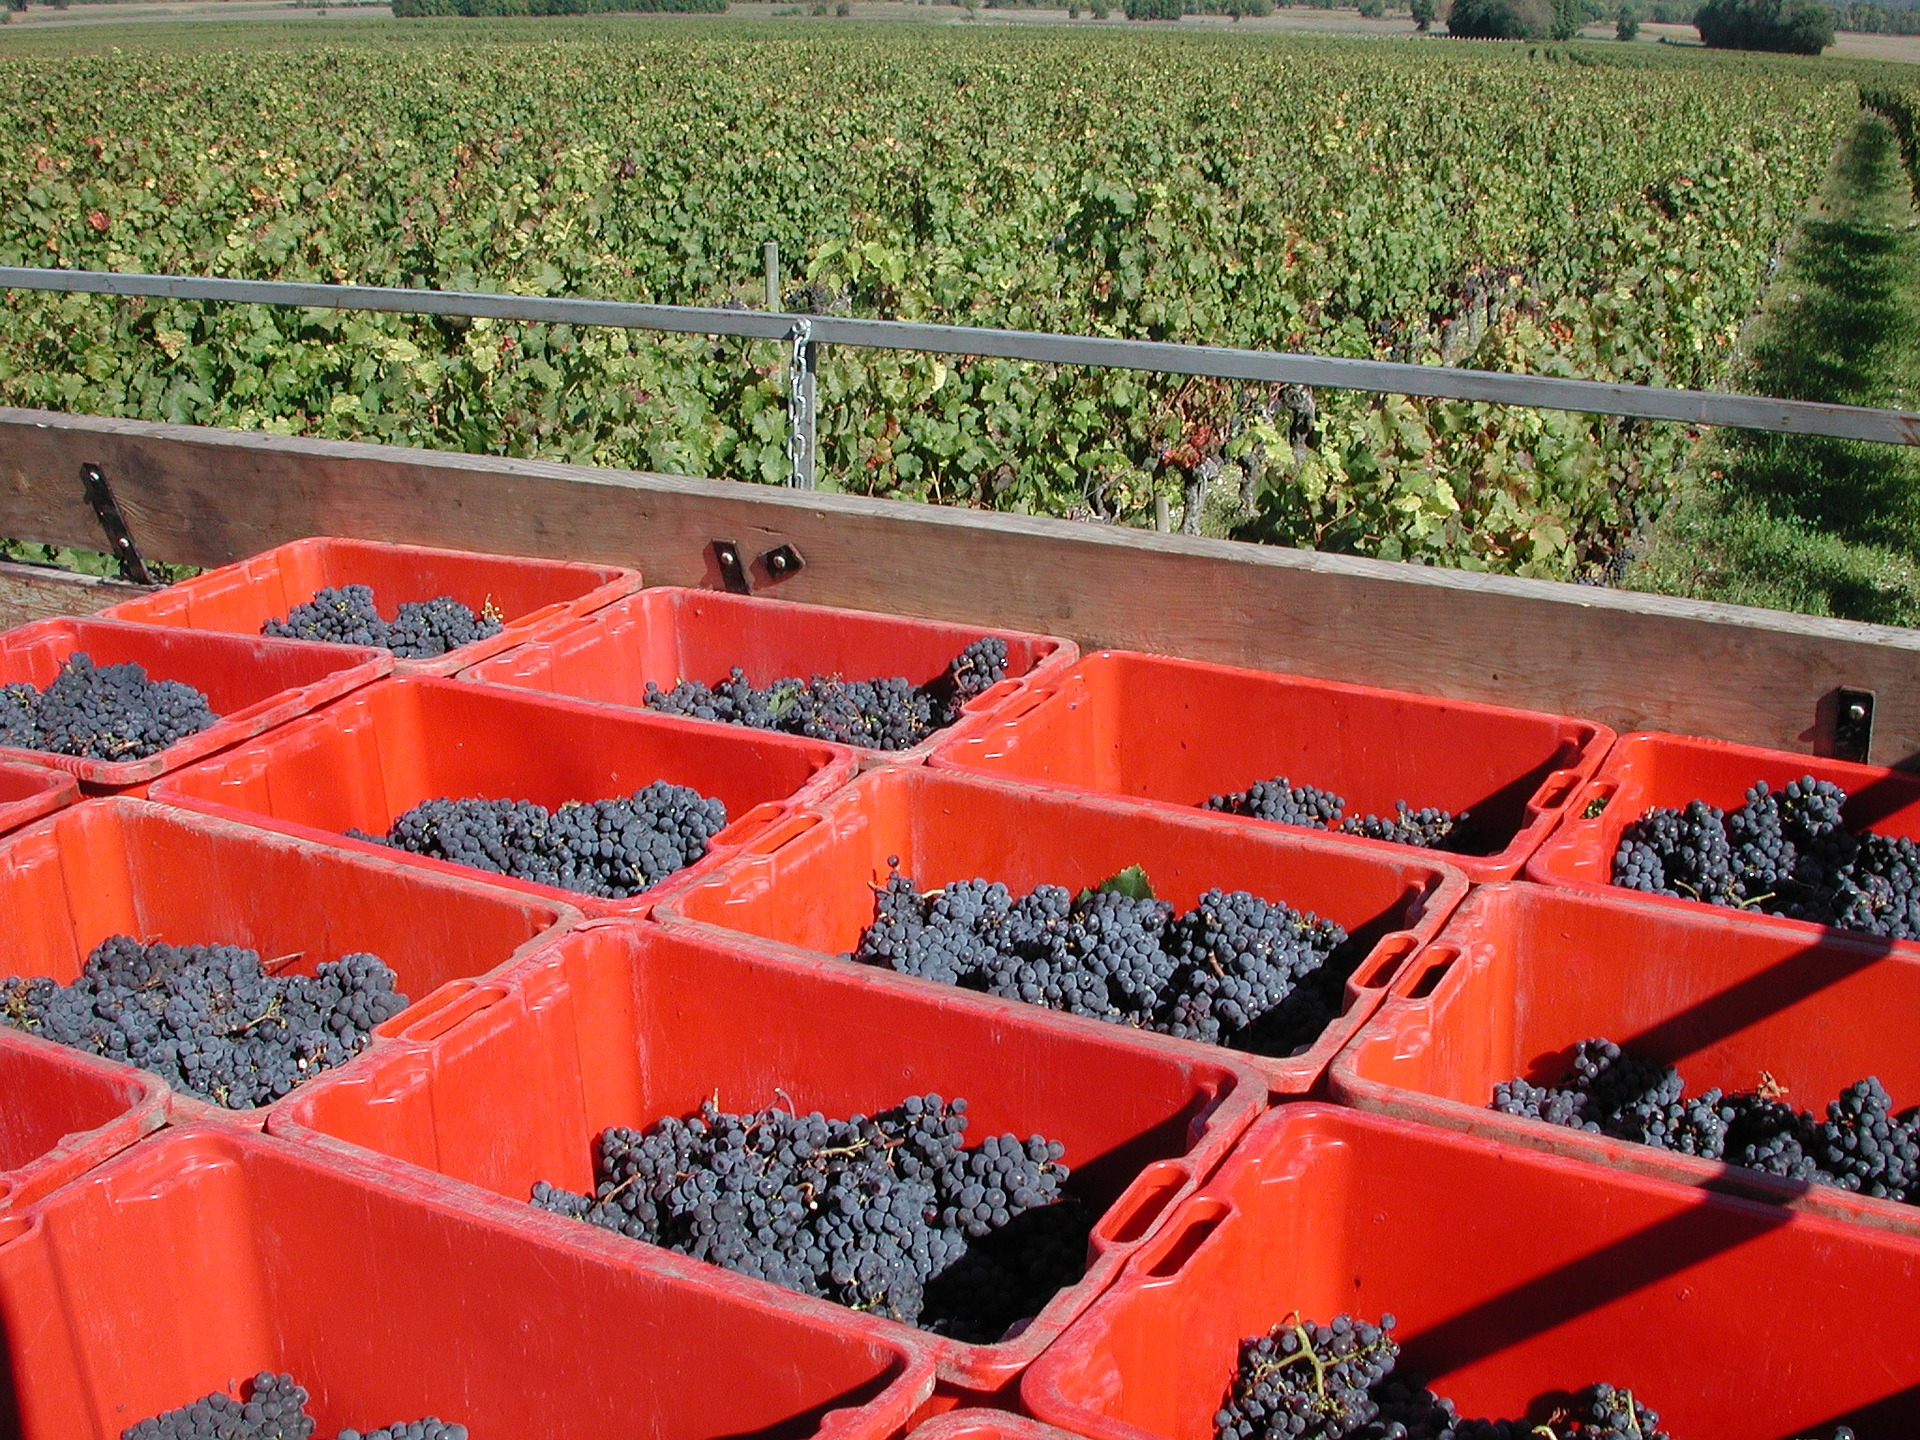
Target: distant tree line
408	8
1878	19
1795	27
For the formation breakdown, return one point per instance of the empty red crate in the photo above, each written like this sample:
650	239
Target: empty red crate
1513	1275
525	595
669	635
810	882
1176	732
366	761
625	1024
130	867
1648	770
29	791
1521	974
207	1255
252	685
62	1112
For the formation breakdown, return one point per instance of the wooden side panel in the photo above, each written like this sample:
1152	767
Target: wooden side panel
208	496
28	592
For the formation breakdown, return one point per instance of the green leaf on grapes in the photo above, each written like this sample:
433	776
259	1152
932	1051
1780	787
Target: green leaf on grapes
1131	882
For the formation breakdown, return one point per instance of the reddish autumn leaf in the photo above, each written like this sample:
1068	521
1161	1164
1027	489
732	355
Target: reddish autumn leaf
99	221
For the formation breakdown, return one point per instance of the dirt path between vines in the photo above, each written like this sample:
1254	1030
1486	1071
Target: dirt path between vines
1828	527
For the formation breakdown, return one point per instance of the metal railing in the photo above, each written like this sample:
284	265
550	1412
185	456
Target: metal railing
807	334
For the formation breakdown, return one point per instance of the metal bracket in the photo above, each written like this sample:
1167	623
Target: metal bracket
1852	724
107	511
733	571
782	562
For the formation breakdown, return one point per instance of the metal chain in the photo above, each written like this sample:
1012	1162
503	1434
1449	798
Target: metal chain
799	400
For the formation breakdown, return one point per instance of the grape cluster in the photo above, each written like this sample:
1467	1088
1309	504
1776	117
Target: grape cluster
880	714
1307	1381
275	1409
420	630
1785	852
1285	803
608	848
208	1019
1862	1145
887	1213
103	712
1235	970
1336	1381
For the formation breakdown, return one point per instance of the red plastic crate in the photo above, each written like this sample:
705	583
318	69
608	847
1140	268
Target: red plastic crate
1175	732
667	635
809	882
625	1024
252	685
205	1256
368	760
29	791
1513	1275
62	1112
1648	770
528	595
1521	974
975	1423
129	867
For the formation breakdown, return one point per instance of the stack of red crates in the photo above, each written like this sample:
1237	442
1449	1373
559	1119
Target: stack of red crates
370	1233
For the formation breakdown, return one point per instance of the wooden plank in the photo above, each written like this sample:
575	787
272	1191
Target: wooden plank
207	496
29	592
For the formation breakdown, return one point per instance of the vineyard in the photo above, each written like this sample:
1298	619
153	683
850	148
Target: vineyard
1607	214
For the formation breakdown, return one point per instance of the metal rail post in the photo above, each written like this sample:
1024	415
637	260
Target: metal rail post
803	369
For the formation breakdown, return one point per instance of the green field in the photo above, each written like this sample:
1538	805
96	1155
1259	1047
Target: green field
1602	211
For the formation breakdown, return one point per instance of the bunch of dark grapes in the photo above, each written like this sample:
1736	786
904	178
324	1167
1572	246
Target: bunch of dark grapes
208	1019
1313	1382
420	629
1336	1381
1306	1381
103	712
886	1213
1235	970
1862	1145
1784	852
879	714
1285	803
275	1409
607	848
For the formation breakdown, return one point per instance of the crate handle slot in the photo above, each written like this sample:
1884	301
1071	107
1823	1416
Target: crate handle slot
1378	972
452	1003
741	833
992	695
1144	1202
1600	794
1554	790
1439	960
1190	1233
1027	702
15	1227
776	835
